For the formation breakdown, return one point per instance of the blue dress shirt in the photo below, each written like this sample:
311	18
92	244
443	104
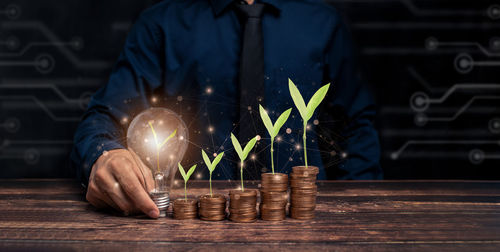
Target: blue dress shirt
184	55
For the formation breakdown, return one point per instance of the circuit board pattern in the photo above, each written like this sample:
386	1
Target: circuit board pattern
432	64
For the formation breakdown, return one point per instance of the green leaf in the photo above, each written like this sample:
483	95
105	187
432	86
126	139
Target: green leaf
281	120
181	170
248	148
206	159
237	146
297	99
168	138
266	120
316	100
216	161
190	172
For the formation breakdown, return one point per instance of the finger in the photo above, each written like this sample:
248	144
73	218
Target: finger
145	175
99	199
131	185
111	189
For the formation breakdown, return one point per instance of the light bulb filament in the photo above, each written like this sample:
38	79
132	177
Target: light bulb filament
159	145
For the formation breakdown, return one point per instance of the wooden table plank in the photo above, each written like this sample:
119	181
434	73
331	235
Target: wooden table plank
372	215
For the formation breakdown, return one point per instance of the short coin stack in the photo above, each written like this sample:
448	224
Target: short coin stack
303	192
185	209
242	205
273	194
212	208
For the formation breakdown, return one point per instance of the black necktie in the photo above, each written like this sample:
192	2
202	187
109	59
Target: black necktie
251	80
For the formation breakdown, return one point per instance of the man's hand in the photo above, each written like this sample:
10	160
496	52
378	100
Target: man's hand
116	181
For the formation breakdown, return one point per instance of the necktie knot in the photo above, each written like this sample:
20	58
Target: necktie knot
250	10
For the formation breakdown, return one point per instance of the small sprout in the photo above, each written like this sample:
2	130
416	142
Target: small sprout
273	129
158	144
186	176
243	154
211	165
306	112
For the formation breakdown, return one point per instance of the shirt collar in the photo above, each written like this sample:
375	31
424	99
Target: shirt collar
220	5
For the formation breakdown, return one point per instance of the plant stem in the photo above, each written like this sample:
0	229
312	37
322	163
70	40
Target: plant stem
158	158
211	185
185	192
304	139
241	174
272	154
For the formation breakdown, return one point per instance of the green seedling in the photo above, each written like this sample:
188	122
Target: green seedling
243	154
273	129
186	176
211	165
306	112
160	144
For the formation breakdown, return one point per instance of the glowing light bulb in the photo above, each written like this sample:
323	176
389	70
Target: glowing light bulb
159	138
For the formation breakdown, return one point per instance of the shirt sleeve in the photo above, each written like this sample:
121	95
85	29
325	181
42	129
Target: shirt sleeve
351	108
134	77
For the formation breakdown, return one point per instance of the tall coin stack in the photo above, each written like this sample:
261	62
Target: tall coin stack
273	193
303	192
242	205
212	208
185	209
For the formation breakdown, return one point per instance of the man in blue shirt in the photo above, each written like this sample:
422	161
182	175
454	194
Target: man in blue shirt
186	55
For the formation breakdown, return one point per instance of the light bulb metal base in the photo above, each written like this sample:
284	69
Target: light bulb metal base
162	200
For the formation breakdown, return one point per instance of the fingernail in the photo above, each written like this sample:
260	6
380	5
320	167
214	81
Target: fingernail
153	214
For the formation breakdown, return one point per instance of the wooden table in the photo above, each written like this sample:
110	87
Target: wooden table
375	216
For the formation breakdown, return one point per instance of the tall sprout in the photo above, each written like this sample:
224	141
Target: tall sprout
306	112
186	176
242	154
273	129
211	165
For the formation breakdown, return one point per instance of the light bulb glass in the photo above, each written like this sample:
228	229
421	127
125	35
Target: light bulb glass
159	138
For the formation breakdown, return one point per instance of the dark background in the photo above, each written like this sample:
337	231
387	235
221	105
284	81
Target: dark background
433	64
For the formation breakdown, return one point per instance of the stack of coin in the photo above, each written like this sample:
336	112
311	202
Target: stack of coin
242	205
212	208
273	194
185	209
303	192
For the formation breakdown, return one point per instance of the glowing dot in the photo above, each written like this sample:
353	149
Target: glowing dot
160	122
105	153
249	108
290	158
181	137
288	130
209	90
171	156
124	119
179	98
148	159
343	155
297	146
278	139
257	137
210	129
198	175
308	127
176	182
253	157
316	122
154	99
146	140
215	154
